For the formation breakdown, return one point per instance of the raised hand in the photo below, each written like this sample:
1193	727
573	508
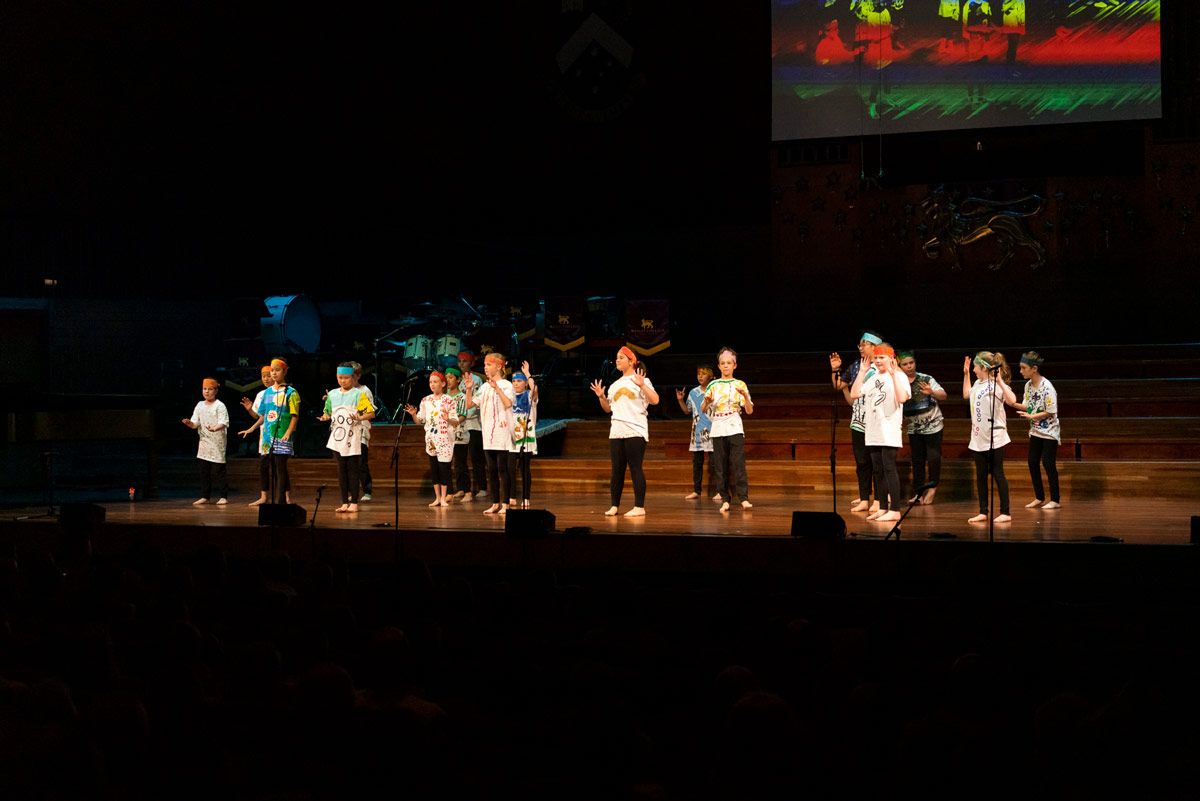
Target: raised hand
598	388
966	365
835	361
679	395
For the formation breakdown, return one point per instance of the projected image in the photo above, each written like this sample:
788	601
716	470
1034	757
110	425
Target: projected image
849	67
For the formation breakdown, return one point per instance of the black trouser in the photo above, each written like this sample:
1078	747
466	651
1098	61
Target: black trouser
729	467
981	479
264	473
364	471
862	465
926	449
1043	451
462	477
282	484
887	478
497	474
440	471
631	452
477	460
208	472
348	477
698	470
519	462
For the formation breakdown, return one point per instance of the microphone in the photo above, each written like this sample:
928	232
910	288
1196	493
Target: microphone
320	490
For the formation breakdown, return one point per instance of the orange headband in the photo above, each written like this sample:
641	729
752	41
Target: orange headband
494	357
211	383
279	363
885	350
629	354
266	369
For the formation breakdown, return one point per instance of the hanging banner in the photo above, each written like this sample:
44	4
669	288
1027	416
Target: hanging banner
566	323
648	326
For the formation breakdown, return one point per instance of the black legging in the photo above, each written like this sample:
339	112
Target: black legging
478	460
981	479
462	476
887	478
282	485
348	476
1043	451
439	471
862	465
926	449
629	451
518	462
213	474
364	470
698	470
729	467
264	472
497	474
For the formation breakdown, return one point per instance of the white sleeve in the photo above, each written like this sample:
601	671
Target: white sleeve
196	413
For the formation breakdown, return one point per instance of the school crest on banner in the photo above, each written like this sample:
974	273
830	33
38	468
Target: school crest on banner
648	326
566	323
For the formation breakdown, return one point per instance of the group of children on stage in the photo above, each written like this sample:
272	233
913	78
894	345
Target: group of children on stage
467	416
887	393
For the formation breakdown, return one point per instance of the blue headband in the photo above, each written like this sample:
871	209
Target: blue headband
874	340
345	371
519	377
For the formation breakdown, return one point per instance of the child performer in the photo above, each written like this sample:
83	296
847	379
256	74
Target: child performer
885	391
440	418
989	427
627	400
701	428
524	441
280	410
724	400
210	419
471	381
924	422
494	400
347	406
264	460
1040	407
462	439
364	466
843	380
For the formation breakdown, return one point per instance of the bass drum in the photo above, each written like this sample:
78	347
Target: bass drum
418	351
446	350
293	327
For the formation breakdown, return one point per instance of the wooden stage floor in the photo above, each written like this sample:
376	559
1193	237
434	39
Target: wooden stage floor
1140	520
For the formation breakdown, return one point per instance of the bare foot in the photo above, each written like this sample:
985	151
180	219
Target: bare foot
861	506
875	515
467	498
717	497
287	497
503	509
636	511
221	501
199	501
888	517
443	502
259	502
1035	503
747	505
725	506
927	498
526	505
491	510
345	507
875	506
854	503
436	502
691	496
512	501
1003	518
978	519
612	512
353	507
1053	505
915	500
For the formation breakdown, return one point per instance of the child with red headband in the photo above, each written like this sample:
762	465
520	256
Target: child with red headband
724	401
884	392
439	415
627	400
264	460
347	409
494	399
210	419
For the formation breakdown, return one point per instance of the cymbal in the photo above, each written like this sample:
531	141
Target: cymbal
407	321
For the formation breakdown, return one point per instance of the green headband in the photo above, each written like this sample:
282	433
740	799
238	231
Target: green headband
906	354
1031	362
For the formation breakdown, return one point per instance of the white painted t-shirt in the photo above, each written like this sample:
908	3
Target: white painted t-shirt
883	405
725	405
982	424
495	421
212	443
1043	398
628	403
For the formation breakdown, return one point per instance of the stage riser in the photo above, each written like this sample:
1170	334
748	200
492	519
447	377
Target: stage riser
1078	480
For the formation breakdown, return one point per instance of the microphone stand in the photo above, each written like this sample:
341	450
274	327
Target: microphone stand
397	546
994	375
912	502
